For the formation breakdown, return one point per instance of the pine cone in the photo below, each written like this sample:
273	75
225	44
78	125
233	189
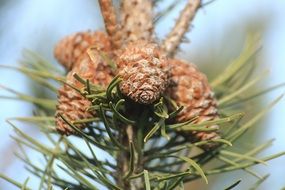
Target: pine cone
190	89
144	70
71	104
71	48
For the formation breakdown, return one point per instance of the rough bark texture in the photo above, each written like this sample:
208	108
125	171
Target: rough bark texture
174	38
136	19
112	26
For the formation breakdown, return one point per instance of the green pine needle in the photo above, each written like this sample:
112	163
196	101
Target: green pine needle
156	151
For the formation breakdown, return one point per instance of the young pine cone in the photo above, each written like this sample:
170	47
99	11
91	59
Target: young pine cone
144	71
191	90
71	48
71	104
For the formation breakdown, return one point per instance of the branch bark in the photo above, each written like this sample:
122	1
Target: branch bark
111	24
137	20
174	38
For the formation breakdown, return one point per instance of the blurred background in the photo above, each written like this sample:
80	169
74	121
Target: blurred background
217	37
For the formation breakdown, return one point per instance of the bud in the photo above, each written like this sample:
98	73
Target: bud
144	72
190	89
69	50
71	104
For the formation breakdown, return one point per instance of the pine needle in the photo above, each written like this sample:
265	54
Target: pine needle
146	180
17	184
250	50
233	185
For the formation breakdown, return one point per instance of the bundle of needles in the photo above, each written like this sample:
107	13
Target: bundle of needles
155	116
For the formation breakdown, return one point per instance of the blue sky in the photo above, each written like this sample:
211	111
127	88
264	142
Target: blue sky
38	25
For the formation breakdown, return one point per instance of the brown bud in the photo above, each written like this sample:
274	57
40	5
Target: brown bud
71	104
191	90
71	48
144	71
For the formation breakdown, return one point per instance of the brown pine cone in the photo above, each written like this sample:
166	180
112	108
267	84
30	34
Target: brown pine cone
71	104
190	89
71	48
144	70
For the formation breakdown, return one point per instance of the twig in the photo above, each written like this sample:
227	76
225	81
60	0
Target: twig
174	38
111	24
137	20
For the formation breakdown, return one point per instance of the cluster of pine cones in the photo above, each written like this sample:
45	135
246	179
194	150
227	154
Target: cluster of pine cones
147	73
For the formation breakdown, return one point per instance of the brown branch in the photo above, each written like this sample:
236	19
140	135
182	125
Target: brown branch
137	20
123	160
111	24
174	38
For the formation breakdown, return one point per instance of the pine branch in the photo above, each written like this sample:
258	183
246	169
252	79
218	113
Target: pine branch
174	38
137	20
145	148
111	24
